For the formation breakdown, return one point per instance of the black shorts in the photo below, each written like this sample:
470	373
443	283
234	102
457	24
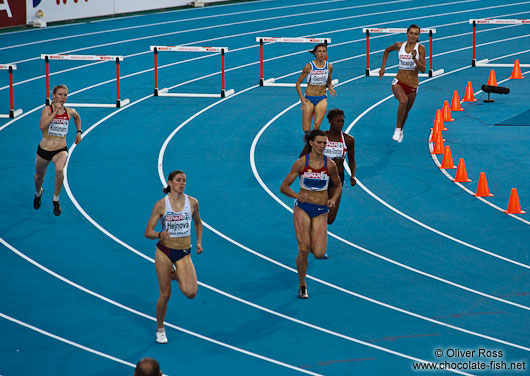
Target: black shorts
48	155
173	254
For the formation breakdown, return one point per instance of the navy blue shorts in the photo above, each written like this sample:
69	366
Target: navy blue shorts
173	254
312	210
315	99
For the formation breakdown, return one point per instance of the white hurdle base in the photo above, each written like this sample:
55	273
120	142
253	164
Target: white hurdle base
485	63
375	73
11	115
164	93
271	82
122	103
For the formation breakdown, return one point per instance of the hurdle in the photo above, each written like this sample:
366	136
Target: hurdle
119	102
12	112
489	21
165	91
271	81
387	30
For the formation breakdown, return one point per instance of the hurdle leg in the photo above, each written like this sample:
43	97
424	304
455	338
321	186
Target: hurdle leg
474	59
261	62
222	73
367	53
118	100
11	104
156	71
47	64
430	53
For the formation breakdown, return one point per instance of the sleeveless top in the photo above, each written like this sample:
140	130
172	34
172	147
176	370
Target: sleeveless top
405	59
177	224
314	180
336	149
318	76
59	125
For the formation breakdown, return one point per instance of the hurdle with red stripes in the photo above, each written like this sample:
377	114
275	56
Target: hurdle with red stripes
12	112
491	21
389	30
119	102
271	81
165	91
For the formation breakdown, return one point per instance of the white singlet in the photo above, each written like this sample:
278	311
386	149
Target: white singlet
406	62
59	125
336	149
177	224
318	76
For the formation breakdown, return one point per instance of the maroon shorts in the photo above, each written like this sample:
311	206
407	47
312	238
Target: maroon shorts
406	88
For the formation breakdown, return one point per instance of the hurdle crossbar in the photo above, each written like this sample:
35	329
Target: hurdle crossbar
391	30
271	81
119	102
491	21
12	112
165	91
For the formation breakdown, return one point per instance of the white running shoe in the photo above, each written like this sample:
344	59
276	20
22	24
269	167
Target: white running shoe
396	135
302	292
161	336
400	136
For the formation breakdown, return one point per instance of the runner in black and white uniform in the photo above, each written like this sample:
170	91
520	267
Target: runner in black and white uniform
314	171
314	102
175	212
411	56
54	122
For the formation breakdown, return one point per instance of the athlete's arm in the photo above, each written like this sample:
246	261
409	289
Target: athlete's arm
329	83
289	179
335	179
350	143
158	211
302	77
395	47
197	222
420	63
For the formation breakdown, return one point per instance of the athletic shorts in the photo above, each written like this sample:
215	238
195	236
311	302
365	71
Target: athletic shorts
48	155
173	254
312	210
315	99
406	88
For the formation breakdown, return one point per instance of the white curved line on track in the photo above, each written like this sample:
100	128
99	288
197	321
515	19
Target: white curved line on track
61	339
146	316
365	250
448	176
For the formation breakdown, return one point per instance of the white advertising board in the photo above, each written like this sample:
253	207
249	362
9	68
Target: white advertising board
61	10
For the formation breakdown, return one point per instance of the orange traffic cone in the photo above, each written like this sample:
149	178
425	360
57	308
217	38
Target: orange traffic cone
441	120
438	144
455	103
461	173
469	96
516	72
435	130
446	112
447	161
482	187
492	80
514	207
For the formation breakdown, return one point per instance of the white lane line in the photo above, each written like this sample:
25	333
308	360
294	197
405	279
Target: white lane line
146	316
67	341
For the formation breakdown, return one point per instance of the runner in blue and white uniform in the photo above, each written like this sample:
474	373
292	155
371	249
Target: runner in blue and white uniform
315	103
54	122
411	55
175	212
315	171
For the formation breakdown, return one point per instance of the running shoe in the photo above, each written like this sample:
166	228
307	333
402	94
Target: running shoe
56	208
325	257
400	136
397	134
37	200
161	336
302	293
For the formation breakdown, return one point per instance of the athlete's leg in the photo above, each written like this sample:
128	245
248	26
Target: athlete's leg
307	115
320	112
400	95
41	165
302	226
186	276
319	235
410	101
59	160
163	272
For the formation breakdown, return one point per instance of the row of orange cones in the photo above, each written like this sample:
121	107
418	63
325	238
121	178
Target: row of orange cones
514	206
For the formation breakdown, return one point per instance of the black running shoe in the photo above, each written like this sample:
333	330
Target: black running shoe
37	200
56	208
302	293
